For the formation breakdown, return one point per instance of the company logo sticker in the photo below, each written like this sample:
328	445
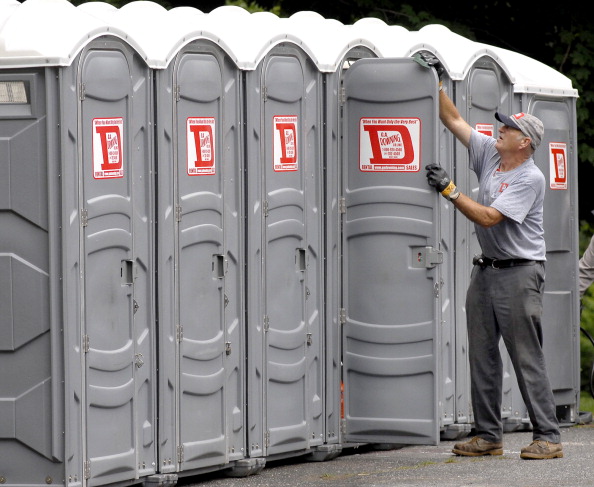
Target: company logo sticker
108	148
284	152
389	144
485	128
557	165
200	141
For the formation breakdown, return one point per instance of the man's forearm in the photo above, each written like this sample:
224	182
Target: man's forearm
451	118
485	216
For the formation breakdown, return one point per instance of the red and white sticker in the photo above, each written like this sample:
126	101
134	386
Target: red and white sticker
108	148
390	144
485	128
558	165
200	136
284	151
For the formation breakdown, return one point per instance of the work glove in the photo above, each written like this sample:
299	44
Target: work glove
429	60
439	179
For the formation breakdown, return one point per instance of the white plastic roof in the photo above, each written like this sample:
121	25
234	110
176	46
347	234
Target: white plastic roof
36	28
6	8
457	53
532	76
53	32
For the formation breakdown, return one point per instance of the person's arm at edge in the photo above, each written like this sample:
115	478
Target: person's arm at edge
586	268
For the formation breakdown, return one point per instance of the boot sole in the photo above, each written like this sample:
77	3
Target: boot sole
495	452
536	456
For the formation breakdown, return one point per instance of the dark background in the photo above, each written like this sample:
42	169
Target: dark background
526	27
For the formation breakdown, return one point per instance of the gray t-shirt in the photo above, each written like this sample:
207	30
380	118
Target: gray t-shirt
517	194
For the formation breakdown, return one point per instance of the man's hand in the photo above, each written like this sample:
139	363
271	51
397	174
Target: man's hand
439	179
429	60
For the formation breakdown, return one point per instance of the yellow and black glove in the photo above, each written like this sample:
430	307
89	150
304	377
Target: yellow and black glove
439	179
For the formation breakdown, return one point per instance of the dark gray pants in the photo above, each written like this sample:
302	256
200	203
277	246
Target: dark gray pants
508	303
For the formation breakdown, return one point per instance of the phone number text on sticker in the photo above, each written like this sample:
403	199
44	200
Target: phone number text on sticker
390	144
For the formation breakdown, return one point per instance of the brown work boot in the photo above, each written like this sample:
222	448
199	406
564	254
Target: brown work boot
477	447
541	450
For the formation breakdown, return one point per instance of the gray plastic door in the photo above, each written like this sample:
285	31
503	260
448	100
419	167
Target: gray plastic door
116	269
208	284
292	253
391	280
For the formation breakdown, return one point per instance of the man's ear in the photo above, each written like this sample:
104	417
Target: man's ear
526	142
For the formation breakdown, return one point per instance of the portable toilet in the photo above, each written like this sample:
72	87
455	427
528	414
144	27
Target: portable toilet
531	87
201	250
481	84
76	252
522	84
549	95
284	286
485	89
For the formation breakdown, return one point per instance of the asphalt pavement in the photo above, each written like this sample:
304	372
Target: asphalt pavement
427	466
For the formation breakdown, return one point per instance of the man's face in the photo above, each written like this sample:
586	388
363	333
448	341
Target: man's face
510	138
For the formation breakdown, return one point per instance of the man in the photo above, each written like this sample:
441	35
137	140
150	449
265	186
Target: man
504	298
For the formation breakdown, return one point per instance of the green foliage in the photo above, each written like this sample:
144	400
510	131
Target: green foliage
574	56
586	232
254	7
586	346
411	19
586	402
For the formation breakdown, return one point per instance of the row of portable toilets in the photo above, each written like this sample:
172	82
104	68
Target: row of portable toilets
218	246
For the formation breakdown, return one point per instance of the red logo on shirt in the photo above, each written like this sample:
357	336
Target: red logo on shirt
502	187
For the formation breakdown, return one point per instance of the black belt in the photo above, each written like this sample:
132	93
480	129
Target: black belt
500	263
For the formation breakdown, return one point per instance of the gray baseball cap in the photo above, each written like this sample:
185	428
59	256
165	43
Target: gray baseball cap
528	124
